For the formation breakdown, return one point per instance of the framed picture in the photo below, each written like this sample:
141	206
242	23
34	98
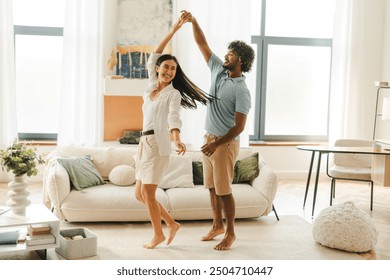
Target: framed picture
140	25
130	137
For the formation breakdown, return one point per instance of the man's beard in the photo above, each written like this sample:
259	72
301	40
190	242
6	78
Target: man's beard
228	67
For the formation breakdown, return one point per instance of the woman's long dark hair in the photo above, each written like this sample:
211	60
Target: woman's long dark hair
190	93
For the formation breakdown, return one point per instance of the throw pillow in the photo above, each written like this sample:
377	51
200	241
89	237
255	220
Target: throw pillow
247	169
122	175
82	172
178	173
197	172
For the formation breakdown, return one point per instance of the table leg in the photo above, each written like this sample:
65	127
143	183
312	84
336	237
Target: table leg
42	254
308	178
316	183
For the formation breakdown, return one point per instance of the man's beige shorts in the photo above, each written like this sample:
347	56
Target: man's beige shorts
218	169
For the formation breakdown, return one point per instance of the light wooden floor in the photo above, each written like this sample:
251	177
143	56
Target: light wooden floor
289	201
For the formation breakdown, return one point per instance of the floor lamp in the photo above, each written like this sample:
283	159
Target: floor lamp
385	108
385	112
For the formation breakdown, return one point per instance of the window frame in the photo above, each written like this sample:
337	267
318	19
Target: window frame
262	42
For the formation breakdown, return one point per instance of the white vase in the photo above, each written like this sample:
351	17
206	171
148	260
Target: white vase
18	195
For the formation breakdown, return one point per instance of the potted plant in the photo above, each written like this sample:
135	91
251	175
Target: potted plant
22	160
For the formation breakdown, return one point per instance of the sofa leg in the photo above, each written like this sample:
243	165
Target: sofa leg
276	214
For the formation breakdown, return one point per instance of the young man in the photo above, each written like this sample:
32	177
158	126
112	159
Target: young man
225	120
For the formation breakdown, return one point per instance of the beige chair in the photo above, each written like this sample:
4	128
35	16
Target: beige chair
350	166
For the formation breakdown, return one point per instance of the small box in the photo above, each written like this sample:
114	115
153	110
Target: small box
79	248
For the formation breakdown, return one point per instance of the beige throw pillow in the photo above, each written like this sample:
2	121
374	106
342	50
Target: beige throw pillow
122	175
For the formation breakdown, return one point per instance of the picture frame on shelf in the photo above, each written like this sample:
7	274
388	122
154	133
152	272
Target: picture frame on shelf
130	137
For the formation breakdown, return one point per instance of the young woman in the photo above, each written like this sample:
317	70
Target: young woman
168	90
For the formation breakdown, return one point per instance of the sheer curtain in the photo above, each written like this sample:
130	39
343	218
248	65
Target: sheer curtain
340	70
222	21
81	115
357	63
8	129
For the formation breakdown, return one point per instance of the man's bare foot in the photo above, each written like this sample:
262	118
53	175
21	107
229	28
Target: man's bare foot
226	242
213	233
155	241
172	232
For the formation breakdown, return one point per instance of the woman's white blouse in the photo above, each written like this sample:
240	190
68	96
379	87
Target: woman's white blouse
167	108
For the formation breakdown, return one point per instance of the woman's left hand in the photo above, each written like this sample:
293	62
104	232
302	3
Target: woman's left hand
181	147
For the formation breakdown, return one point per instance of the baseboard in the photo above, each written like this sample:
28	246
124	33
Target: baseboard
287	175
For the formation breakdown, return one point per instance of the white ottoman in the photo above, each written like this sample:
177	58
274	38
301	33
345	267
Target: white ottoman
345	227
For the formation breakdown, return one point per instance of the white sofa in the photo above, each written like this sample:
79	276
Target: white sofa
114	203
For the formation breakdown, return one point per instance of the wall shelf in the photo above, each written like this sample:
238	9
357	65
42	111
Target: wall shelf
124	87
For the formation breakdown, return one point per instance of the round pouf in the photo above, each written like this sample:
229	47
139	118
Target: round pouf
345	227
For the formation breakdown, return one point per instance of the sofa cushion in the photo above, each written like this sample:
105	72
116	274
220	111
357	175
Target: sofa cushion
197	172
178	173
82	172
247	169
108	203
122	175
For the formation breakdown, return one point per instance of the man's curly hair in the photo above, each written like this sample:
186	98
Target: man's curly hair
244	52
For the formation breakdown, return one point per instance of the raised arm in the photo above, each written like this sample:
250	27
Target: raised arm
199	36
163	43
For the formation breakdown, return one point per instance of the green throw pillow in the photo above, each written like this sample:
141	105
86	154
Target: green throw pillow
82	172
247	169
197	172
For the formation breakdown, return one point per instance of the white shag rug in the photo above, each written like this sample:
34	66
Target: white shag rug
257	239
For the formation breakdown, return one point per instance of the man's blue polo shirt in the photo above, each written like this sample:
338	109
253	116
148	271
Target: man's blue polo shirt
232	96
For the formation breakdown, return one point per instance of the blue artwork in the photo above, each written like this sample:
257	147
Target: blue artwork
132	65
140	25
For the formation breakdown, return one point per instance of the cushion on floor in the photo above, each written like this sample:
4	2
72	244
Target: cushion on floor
345	227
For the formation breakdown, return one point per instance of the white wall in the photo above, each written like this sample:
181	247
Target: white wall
287	161
366	58
386	45
110	27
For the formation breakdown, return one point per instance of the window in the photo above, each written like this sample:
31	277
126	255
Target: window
293	41
38	27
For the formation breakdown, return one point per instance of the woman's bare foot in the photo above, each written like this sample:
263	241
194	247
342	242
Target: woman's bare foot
213	233
172	231
226	242
155	241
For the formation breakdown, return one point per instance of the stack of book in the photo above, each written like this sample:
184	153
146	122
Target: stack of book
39	234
